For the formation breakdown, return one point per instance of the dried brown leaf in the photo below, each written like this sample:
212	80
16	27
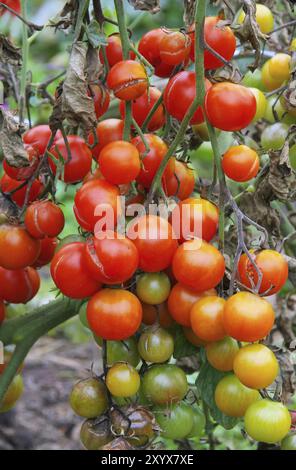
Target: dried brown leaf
8	210
9	54
152	6
66	18
189	11
11	140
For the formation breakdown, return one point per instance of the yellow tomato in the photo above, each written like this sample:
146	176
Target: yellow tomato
269	82
279	67
264	18
261	104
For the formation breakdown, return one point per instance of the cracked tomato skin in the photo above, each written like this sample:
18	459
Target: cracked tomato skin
274	269
181	183
149	47
174	47
8	184
44	219
27	281
128	80
25	172
109	130
79	165
69	272
101	98
39	137
17	248
114	314
142	106
47	251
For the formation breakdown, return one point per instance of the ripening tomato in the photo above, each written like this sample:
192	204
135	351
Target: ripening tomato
229	106
267	421
256	366
156	345
272	265
164	384
39	137
221	354
151	160
143	105
198	265
120	162
79	165
261	104
240	163
122	380
13	393
27	281
114	314
289	442
157	314
155	241
109	130
13	4
101	98
192	338
2	315
93	202
264	18
128	80
195	218
126	351
274	137
24	172
183	84
44	219
270	83
206	318
220	38
111	258
8	184
180	301
181	183
233	398
174	47
149	47
153	288
88	398
69	272
175	421
17	248
47	251
114	50
247	317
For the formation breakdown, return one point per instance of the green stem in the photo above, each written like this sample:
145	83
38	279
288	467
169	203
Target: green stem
151	112
25	56
141	135
82	10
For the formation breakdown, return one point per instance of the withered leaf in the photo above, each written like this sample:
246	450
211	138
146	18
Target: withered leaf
11	140
94	34
146	5
189	11
229	73
66	17
8	210
9	54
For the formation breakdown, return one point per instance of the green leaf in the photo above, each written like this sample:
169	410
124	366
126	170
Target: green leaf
206	383
182	347
95	35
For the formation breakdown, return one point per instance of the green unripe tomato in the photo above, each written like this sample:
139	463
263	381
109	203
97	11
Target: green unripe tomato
253	80
289	442
281	113
156	345
12	394
176	421
153	288
164	384
273	137
203	154
199	422
125	351
88	398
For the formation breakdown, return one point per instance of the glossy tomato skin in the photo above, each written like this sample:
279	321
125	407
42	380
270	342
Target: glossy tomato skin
181	183
122	380
267	421
114	51
109	130
155	240
94	434
79	165
198	265
101	98
120	162
88	398
256	366
174	47
180	301
92	195
39	137
152	159
183	84
274	269
156	345
23	173
112	259
142	106
221	354
230	107
233	398
2	312
69	272
126	351
114	314
176	421
195	218
206	318
27	281
247	317
153	288
47	251
149	47
240	163
44	219
8	184
164	384
17	248
128	80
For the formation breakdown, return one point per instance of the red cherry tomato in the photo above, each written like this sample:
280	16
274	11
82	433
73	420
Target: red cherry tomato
174	47
151	160
183	84
17	248
198	265
128	80
230	107
79	165
155	241
112	259
220	39
39	137
206	318
120	162
44	219
8	184
114	314
181	183
92	201
240	163
2	314
25	172
142	106
69	272
27	281
107	131
149	47
114	51
101	98
48	247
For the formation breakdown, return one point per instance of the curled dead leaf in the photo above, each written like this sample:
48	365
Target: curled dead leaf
9	54
152	6
189	11
67	17
11	140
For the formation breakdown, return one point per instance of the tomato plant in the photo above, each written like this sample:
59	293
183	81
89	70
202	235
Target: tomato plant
222	354
76	156
119	162
44	219
153	288
128	80
206	318
143	105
